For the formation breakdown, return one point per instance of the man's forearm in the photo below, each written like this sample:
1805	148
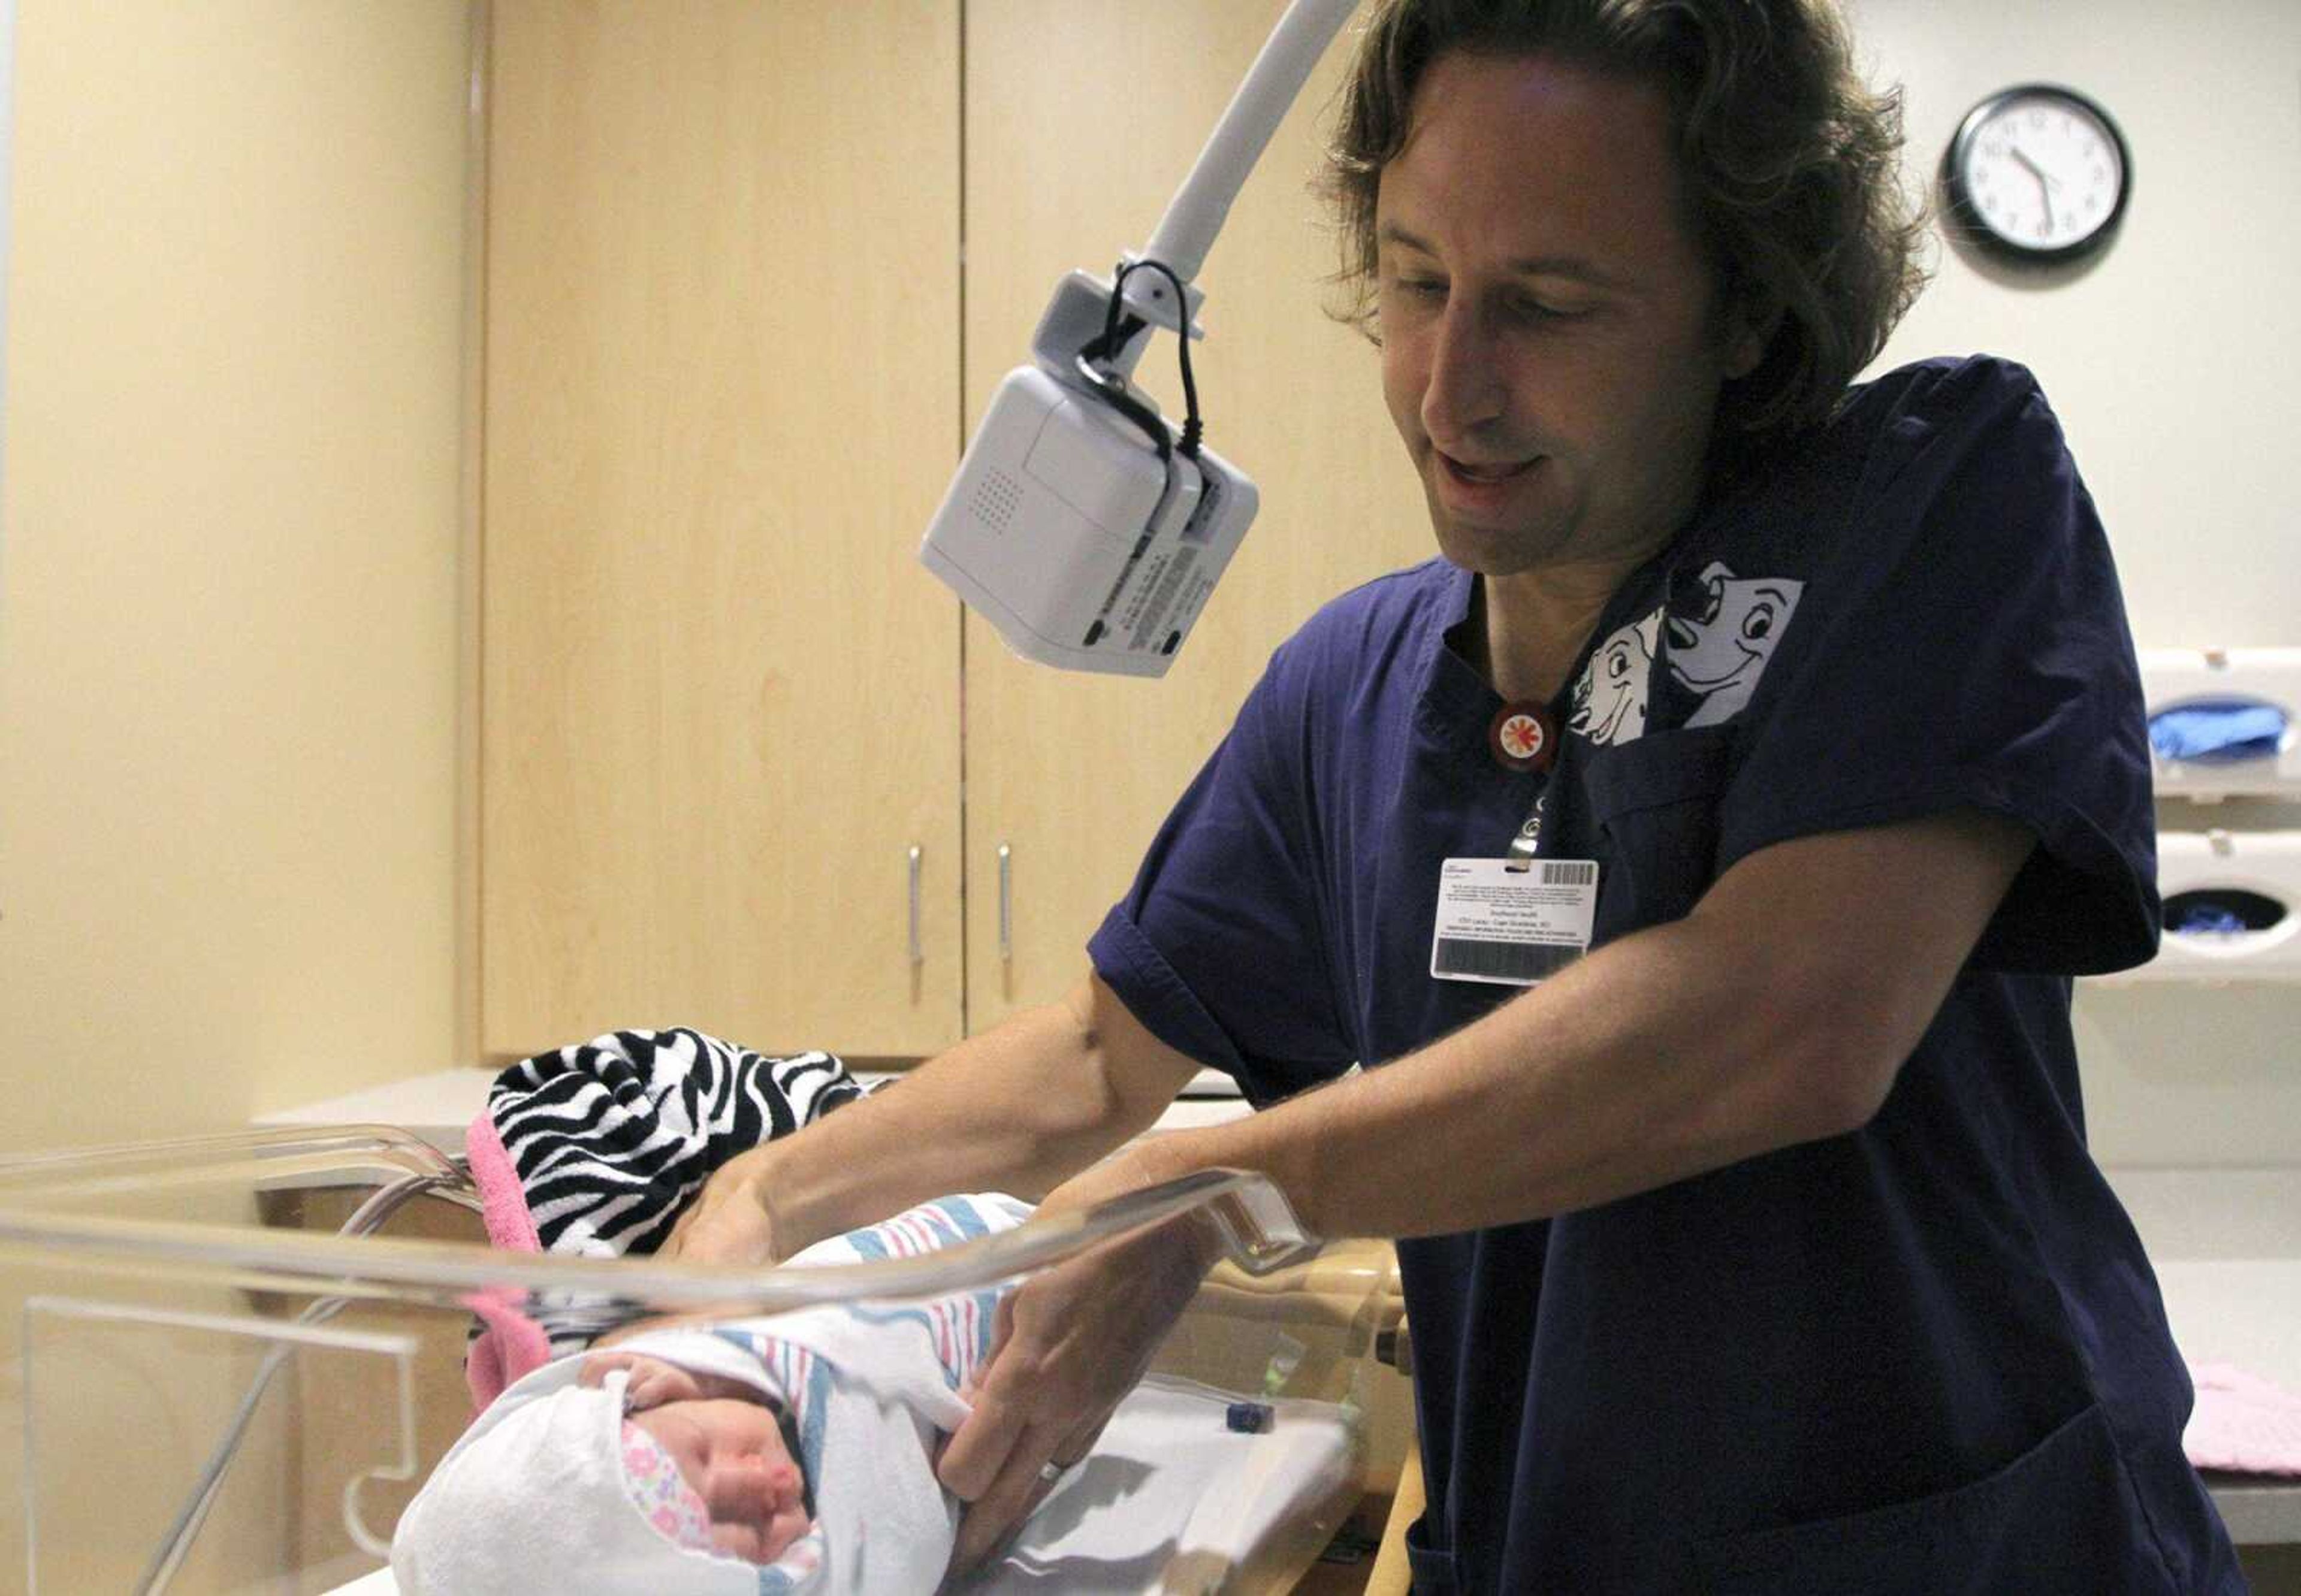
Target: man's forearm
1540	1108
1020	1108
1778	1012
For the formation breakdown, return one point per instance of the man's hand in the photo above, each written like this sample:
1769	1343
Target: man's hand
730	1221
1068	1345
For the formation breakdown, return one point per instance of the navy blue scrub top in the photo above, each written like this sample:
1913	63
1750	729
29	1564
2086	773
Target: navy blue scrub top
1928	1355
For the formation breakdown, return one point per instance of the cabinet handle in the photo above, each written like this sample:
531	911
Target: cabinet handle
1006	905
918	954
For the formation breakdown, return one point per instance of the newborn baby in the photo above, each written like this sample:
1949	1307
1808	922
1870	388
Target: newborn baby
790	1453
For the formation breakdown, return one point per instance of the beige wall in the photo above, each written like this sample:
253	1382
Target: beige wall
2169	361
229	557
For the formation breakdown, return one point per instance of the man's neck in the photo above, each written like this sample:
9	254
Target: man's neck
1531	626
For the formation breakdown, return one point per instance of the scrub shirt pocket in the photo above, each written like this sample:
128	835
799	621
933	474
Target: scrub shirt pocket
1655	800
2053	1519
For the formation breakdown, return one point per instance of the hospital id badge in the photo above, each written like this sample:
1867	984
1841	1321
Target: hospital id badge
1512	927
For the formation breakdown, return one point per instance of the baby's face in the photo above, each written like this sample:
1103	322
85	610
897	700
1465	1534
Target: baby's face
727	1445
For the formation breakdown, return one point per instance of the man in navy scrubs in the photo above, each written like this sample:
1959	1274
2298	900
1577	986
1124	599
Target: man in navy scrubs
1695	855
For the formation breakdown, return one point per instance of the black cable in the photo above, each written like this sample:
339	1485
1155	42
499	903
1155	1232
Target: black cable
1192	427
1114	393
1115	338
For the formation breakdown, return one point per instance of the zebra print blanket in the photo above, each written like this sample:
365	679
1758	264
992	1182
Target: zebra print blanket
593	1150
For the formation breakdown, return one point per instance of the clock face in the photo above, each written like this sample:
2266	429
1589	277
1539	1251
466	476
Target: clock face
2041	171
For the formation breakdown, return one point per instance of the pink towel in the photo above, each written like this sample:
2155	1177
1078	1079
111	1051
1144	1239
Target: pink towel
511	1344
503	1200
2242	1422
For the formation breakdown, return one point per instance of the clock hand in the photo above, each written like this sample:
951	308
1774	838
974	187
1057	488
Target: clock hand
2045	184
2045	178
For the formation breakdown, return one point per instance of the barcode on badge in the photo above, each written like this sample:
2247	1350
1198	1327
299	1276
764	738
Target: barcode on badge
1520	964
1570	873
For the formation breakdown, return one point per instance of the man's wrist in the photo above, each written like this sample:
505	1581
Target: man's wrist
1155	1160
755	1181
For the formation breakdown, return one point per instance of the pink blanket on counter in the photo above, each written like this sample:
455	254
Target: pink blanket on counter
2242	1423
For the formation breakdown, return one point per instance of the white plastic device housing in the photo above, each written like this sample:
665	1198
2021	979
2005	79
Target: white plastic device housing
1063	528
2264	863
2172	678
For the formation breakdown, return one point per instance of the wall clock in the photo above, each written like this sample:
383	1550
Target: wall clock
2038	173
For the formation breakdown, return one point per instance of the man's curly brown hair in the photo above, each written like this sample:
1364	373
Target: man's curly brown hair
1790	161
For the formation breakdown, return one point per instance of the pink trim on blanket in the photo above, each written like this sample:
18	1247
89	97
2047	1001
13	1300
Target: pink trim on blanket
513	1343
502	1197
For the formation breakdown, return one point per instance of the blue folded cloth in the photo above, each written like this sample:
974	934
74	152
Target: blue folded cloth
2207	919
2222	730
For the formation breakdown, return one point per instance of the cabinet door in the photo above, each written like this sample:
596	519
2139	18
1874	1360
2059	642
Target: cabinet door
1082	121
721	698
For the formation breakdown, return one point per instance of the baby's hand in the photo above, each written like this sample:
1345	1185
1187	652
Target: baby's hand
652	1382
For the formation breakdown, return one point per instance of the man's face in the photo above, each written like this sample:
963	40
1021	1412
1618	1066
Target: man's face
1551	345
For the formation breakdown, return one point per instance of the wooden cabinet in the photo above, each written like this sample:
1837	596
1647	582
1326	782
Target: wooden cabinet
720	699
723	396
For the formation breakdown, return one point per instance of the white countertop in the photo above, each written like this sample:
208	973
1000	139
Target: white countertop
438	1106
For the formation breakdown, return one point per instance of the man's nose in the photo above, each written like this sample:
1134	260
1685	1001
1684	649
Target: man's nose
1465	389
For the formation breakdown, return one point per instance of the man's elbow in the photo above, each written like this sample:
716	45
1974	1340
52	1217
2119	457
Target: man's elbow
1137	1075
1854	939
1833	1056
1853	1086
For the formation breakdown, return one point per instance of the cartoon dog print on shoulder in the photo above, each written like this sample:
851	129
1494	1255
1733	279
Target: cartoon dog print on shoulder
1610	698
1720	655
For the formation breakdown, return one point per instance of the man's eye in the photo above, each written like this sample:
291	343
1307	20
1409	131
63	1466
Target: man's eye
1419	287
1536	310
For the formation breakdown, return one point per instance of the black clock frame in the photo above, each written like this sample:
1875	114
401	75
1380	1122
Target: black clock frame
1968	215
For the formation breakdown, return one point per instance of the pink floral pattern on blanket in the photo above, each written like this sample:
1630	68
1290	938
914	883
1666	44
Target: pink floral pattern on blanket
653	1482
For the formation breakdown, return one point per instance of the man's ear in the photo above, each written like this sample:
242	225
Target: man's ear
1745	328
1752	319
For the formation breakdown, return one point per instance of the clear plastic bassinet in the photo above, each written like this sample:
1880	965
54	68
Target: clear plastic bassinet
232	1361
